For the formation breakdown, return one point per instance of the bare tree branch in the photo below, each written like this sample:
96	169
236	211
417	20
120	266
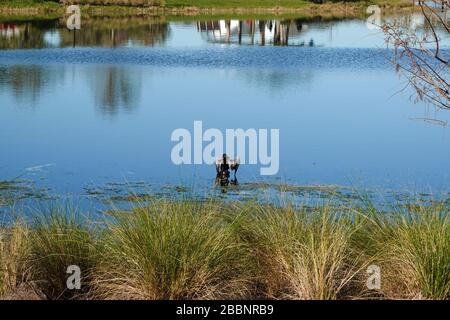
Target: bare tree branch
420	57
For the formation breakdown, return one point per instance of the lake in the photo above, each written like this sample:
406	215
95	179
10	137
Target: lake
88	114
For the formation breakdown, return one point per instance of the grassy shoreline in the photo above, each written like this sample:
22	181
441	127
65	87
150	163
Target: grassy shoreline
214	250
29	8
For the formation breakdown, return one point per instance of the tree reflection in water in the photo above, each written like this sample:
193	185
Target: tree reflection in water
97	32
250	32
115	88
28	81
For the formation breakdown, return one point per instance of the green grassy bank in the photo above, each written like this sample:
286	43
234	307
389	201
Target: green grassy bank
40	8
202	3
212	250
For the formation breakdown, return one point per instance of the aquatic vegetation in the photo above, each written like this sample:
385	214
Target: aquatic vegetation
142	192
132	192
134	197
12	191
342	193
136	191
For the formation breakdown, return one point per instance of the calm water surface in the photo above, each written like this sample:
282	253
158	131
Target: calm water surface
90	112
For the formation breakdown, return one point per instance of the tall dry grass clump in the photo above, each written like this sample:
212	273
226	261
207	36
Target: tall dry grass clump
413	251
60	238
304	253
14	246
172	250
218	250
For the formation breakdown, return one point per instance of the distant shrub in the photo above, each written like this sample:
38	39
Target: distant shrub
134	3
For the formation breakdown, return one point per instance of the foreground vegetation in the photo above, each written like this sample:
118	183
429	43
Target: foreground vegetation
212	250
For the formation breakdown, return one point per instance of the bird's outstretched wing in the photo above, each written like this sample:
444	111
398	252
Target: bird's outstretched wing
234	164
219	162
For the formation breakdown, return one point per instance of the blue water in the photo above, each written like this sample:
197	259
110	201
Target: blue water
76	120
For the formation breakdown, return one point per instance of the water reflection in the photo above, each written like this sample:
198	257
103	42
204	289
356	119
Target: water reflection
278	81
27	82
26	35
154	31
251	32
302	32
118	33
99	32
115	88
